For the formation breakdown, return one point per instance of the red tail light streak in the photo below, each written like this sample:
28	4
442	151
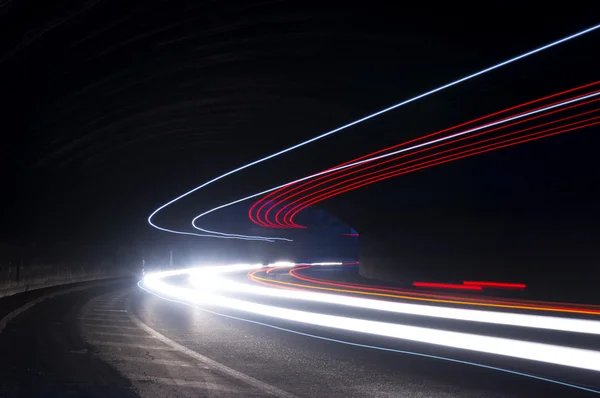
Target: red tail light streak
422	296
448	286
499	285
293	198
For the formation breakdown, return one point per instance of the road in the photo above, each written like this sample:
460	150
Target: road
119	340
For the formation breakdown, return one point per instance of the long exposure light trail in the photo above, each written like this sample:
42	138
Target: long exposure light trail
429	298
499	285
541	352
421	145
448	286
293	187
425	144
551	305
377	176
493	317
208	233
298	205
341	172
396	290
270	201
327	192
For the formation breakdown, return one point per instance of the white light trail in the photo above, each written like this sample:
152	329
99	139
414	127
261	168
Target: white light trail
417	146
492	317
215	234
548	353
282	264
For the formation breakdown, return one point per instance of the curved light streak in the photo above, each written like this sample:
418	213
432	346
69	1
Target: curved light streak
541	352
378	176
296	187
421	145
497	285
481	316
428	93
448	286
301	203
295	273
341	174
437	357
375	292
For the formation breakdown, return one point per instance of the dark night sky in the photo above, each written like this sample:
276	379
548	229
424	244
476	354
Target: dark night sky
111	108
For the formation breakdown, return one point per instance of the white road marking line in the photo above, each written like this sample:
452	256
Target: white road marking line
168	362
108	318
130	345
95	325
105	313
83	318
180	383
211	383
137	336
264	387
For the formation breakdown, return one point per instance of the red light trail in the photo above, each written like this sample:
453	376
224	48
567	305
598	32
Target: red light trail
377	176
499	285
448	286
461	298
308	196
283	189
299	202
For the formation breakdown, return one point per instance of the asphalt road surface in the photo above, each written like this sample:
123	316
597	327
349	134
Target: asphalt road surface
117	340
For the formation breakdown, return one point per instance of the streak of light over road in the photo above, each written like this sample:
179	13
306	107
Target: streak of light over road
290	199
415	295
217	287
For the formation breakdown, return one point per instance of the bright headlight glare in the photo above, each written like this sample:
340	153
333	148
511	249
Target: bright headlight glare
282	264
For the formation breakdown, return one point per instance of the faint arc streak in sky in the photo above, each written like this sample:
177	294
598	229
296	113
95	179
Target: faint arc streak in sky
388	155
373	115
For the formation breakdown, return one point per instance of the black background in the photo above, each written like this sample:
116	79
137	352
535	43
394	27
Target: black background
112	108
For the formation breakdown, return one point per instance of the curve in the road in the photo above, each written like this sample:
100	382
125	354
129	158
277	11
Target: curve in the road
435	357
